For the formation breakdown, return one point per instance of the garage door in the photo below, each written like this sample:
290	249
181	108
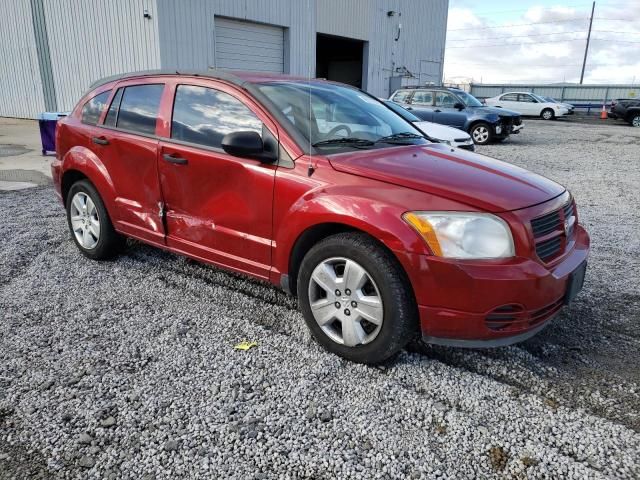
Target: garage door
249	46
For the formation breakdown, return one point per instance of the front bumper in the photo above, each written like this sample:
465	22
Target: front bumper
458	301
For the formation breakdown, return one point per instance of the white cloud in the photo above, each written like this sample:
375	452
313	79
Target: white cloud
548	52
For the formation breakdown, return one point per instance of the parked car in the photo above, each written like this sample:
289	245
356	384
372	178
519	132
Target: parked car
457	108
528	104
321	189
570	107
453	137
627	109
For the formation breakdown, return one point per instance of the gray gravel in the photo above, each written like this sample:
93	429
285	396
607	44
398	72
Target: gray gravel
126	369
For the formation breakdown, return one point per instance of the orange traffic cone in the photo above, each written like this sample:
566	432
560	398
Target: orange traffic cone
603	113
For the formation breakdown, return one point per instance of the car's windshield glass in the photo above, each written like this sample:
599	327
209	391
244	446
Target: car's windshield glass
541	99
334	117
403	112
468	99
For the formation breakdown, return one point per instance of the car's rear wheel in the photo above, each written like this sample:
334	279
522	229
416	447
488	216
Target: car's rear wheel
356	299
635	121
481	133
547	114
89	222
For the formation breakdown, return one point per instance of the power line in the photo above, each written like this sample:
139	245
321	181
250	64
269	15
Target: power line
514	36
538	43
519	24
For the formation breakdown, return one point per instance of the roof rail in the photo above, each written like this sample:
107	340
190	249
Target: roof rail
211	73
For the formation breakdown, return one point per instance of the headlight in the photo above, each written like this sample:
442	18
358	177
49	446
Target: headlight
463	235
498	129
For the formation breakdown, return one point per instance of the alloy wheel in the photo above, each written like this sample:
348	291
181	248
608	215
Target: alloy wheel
345	302
636	121
480	134
547	114
85	221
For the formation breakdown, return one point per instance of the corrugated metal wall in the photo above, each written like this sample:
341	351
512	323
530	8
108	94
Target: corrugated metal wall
579	94
21	93
187	30
91	39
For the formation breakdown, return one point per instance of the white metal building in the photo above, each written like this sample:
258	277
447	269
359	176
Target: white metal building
52	50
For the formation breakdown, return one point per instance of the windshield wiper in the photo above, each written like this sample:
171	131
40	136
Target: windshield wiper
351	141
398	137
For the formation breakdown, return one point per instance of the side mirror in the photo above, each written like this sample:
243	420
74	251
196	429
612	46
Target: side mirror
247	144
458	105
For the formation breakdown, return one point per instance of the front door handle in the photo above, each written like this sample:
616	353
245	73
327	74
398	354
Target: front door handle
437	111
173	158
100	141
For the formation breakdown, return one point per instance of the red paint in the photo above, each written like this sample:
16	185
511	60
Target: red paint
246	215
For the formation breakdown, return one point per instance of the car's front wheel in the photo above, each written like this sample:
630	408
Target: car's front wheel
89	222
481	133
635	121
547	114
356	299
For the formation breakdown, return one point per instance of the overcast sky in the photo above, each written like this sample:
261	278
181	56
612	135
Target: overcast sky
543	41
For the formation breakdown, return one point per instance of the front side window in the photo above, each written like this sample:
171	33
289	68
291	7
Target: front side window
204	116
523	97
423	98
336	118
92	110
509	97
402	96
139	108
445	99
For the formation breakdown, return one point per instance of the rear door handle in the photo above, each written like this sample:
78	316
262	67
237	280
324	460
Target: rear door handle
100	140
173	158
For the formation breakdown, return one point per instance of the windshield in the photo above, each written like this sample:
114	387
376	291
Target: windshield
403	112
335	117
468	99
541	99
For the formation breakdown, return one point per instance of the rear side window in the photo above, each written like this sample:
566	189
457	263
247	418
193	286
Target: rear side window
203	116
402	96
93	108
139	108
112	114
423	98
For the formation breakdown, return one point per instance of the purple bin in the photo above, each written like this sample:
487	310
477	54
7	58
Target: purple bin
47	124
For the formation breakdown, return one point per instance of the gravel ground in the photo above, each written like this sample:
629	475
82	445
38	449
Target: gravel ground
125	369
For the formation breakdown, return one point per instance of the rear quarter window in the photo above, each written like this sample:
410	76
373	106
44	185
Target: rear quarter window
93	108
139	108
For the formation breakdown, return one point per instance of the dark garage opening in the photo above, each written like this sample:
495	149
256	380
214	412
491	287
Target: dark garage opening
340	59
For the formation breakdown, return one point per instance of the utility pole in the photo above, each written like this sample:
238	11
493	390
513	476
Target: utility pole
586	48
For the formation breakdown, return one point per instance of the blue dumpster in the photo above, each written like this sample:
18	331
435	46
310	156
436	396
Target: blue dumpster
47	124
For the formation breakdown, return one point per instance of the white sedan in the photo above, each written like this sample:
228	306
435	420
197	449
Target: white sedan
443	134
530	104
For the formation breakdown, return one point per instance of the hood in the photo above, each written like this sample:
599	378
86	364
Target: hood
498	111
441	132
479	181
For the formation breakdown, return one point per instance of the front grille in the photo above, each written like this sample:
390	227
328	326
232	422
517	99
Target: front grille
550	234
514	318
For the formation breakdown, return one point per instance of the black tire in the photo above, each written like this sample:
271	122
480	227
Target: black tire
110	242
481	133
400	318
634	120
547	114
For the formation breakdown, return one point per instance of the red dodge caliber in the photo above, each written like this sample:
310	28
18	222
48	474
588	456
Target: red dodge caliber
321	189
